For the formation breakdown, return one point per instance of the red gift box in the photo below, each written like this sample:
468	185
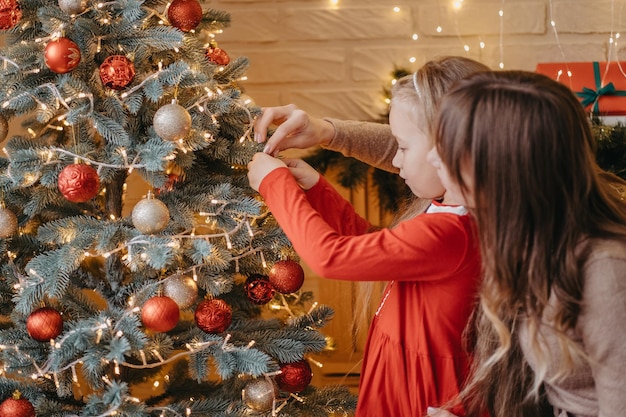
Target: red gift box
600	86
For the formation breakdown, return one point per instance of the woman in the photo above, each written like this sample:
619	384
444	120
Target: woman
517	148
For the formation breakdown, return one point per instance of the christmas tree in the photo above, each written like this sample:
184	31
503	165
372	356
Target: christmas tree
166	310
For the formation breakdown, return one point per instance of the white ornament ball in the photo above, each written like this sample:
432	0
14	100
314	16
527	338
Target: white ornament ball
150	216
260	394
182	289
8	223
73	6
172	122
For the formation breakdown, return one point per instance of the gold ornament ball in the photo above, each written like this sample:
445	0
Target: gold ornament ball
8	223
182	289
260	394
150	216
172	122
4	128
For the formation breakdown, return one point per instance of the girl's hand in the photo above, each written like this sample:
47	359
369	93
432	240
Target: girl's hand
305	175
296	129
261	165
438	412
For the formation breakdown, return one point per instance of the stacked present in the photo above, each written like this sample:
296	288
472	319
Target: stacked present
601	86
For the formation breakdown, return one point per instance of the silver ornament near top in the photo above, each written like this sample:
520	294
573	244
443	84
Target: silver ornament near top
8	223
182	289
73	6
150	215
260	395
172	122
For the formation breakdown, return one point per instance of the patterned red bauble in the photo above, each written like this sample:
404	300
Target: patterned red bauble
10	14
61	55
217	55
286	276
185	14
294	377
17	407
213	316
160	314
117	72
79	183
259	289
44	324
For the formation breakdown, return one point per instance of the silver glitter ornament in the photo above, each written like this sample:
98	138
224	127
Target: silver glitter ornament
73	6
4	128
172	122
260	394
150	215
8	223
182	289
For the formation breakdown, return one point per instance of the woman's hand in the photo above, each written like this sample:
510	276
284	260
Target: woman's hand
306	176
296	129
261	165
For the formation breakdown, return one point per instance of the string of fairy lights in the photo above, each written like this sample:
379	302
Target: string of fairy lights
454	7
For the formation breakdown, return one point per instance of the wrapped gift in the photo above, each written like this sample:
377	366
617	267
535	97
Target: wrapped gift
601	86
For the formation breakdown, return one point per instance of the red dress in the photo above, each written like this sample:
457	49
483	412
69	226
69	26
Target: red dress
414	356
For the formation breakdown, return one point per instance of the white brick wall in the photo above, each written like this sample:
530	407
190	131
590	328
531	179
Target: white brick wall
335	59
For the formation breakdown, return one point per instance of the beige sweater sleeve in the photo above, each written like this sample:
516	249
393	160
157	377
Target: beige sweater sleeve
369	142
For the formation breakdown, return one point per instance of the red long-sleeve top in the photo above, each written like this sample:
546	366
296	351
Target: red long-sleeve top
414	357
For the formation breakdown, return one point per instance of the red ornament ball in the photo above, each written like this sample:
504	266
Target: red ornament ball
259	289
286	276
117	72
185	14
79	183
61	55
17	407
44	324
170	183
213	316
217	55
10	14
160	314
294	377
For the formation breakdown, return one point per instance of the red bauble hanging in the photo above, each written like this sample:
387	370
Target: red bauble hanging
213	316
79	183
160	314
10	14
44	324
117	72
185	14
286	276
217	55
294	377
170	183
259	289
17	406
61	55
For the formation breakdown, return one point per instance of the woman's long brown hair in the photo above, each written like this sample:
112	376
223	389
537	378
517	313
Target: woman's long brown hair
526	143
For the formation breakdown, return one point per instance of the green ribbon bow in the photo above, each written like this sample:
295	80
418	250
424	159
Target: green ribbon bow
590	95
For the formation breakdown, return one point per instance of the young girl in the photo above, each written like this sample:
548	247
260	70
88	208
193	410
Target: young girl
518	148
414	355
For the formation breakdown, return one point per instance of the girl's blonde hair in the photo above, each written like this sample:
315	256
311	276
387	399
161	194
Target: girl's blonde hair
538	193
423	91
